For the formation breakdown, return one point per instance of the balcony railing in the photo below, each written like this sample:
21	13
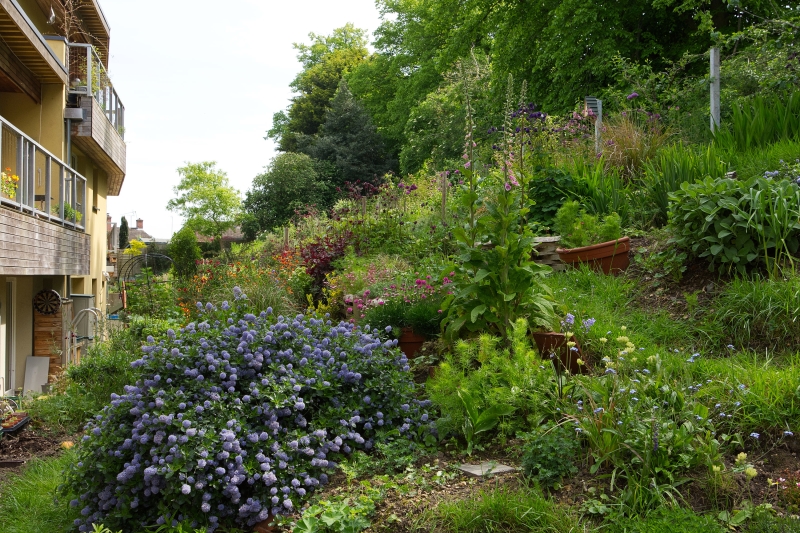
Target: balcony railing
88	77
47	188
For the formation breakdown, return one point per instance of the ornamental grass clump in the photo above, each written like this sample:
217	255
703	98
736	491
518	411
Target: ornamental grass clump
239	417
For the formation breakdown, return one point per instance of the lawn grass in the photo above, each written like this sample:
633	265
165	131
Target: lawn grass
500	511
28	501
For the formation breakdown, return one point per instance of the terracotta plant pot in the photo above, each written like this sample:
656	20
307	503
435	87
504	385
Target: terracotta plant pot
410	342
556	343
265	527
610	257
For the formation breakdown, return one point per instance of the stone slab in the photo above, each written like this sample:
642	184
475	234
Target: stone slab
486	469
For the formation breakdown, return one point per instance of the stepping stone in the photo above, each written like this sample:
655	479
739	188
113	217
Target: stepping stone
486	469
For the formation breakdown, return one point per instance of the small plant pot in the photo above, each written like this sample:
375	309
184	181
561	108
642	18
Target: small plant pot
265	527
551	343
409	342
610	257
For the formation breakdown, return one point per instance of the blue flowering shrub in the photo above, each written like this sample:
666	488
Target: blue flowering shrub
240	417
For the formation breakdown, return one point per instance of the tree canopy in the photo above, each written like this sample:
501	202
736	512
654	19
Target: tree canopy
349	141
325	61
205	199
288	183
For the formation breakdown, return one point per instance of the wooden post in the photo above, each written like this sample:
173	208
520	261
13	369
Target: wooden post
715	68
598	128
286	238
444	198
364	207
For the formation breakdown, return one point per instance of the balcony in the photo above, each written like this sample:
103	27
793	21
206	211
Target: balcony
42	217
100	133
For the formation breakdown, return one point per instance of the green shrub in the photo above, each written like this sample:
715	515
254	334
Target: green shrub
577	228
230	410
85	389
494	376
548	188
736	224
185	253
549	455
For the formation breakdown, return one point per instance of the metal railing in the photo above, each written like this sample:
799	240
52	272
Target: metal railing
88	77
48	188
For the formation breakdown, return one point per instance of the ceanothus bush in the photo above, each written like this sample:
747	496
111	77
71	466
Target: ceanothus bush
240	417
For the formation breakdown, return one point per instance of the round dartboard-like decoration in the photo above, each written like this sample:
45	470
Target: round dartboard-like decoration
47	302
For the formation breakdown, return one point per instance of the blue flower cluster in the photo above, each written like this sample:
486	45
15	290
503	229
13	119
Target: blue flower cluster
240	417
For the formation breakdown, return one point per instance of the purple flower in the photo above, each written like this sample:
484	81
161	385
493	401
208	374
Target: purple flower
633	95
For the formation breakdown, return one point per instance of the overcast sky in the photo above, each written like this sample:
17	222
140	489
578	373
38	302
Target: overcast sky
200	81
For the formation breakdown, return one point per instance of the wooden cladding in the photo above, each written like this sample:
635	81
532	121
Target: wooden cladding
49	336
33	247
98	139
19	74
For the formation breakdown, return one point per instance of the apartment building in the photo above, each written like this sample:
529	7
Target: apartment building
62	153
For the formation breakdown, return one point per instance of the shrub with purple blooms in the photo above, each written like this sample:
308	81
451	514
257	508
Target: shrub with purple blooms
240	417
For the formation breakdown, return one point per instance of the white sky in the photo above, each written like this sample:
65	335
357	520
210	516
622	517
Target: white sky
200	81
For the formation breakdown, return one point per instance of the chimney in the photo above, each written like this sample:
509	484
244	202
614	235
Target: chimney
139	223
108	223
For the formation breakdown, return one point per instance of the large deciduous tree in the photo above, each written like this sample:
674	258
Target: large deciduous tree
288	183
325	61
206	200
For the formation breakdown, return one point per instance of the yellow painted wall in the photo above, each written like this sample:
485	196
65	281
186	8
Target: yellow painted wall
35	14
95	224
44	122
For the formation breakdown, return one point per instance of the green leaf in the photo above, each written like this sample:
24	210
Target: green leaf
482	273
477	311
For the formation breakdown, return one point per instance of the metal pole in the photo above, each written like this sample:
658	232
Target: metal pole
715	68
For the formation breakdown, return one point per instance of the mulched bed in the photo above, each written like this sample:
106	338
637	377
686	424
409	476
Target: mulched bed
24	445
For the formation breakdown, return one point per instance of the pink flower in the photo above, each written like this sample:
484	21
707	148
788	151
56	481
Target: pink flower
439	311
349	309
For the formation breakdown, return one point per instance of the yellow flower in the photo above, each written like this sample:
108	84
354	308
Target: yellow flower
579	361
741	458
67	444
623	339
651	359
750	472
623	328
603	340
568	334
716	468
570	344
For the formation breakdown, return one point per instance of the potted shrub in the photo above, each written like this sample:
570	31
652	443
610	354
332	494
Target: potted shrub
411	322
587	239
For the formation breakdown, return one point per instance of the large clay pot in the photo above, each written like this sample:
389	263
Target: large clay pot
556	344
609	257
410	342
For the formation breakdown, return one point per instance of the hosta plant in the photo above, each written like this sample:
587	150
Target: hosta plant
240	417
